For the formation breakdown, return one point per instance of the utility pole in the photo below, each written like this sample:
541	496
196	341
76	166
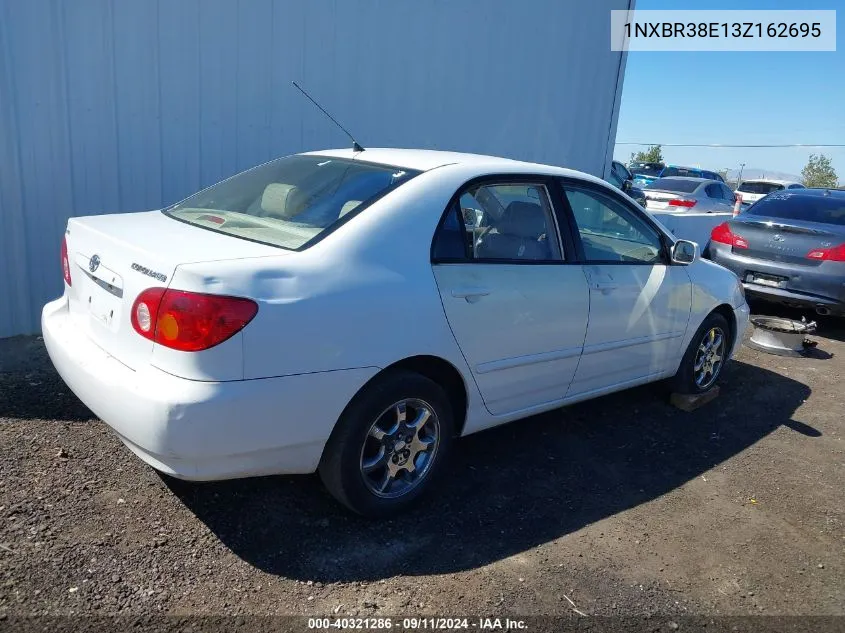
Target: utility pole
739	178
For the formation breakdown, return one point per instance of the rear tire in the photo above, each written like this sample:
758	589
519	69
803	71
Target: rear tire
705	357
390	445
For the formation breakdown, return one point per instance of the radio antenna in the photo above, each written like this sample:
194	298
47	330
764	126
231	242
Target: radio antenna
355	146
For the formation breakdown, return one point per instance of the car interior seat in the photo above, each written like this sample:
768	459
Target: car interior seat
517	234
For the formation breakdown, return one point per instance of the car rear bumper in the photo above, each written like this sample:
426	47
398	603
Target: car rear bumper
202	430
807	286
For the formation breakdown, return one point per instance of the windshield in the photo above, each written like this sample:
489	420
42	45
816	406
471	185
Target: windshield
682	171
795	206
646	169
762	188
290	201
675	185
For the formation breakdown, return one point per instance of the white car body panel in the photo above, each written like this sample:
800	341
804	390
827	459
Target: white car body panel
749	198
638	316
332	316
522	353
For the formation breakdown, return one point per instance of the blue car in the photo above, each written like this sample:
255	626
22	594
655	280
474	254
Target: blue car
647	173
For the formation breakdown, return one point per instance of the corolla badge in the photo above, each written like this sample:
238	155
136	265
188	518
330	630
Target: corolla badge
778	238
94	263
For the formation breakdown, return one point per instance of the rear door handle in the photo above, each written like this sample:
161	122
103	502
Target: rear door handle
470	293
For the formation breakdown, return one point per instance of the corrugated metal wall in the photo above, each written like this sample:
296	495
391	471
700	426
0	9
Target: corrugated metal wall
127	105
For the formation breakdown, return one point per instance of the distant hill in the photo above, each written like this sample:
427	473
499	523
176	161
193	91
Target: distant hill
754	173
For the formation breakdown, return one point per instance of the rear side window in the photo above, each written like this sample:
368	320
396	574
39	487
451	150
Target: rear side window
675	185
713	191
826	209
796	187
289	202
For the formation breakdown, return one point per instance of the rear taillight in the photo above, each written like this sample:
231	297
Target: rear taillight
723	234
65	263
189	321
680	202
833	254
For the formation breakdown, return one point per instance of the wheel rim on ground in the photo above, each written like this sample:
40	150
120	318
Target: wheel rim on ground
709	358
400	448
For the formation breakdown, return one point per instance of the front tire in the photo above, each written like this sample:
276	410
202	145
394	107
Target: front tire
390	445
705	357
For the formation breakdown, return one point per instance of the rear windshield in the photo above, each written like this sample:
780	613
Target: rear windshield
795	206
646	169
681	171
675	185
291	201
759	187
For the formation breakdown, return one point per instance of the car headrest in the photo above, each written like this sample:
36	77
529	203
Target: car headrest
523	219
280	200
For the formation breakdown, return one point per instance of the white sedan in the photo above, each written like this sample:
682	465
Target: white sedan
353	312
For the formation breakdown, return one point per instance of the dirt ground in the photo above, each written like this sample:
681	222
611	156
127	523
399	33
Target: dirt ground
619	506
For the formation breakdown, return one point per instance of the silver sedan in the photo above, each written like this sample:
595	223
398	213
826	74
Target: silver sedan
697	195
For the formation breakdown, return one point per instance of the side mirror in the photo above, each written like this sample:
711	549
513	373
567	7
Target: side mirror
627	185
684	252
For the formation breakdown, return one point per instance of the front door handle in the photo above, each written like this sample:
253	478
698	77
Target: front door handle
470	294
606	286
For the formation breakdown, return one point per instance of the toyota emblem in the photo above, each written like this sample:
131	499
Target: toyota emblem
94	263
778	238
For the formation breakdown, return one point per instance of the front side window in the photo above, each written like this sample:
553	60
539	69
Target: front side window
610	231
501	223
290	201
615	177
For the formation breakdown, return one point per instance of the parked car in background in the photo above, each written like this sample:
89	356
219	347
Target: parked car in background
623	179
335	311
682	193
648	174
752	190
789	248
645	173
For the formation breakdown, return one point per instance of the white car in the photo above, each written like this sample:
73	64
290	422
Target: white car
354	312
752	190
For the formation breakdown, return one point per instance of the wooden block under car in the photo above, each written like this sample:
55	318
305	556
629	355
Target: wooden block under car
693	401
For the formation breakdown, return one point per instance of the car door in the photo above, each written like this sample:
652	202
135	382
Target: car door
513	293
639	303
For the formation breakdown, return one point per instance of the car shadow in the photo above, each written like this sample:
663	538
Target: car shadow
510	489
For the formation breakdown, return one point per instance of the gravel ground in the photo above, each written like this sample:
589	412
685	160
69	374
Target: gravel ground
619	506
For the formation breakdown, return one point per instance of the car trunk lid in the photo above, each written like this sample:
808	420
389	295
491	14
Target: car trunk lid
113	258
659	199
774	239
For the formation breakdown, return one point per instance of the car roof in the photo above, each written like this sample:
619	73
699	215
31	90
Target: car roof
427	159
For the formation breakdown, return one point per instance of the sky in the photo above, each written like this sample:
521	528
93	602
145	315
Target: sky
737	97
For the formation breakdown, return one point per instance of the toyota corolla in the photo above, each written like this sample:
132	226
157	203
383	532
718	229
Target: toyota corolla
352	313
